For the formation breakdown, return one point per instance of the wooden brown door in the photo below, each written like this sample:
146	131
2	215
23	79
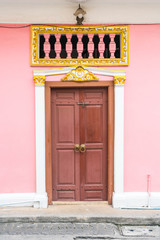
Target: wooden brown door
79	116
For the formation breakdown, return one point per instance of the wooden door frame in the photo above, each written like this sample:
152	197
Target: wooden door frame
110	140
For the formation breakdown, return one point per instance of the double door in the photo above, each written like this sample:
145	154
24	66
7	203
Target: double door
79	144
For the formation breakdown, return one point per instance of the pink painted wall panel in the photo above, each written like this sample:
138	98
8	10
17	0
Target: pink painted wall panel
142	114
17	117
142	111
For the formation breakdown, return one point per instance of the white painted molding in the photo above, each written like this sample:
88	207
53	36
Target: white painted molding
106	72
40	126
118	138
58	71
120	200
136	200
24	199
50	72
40	139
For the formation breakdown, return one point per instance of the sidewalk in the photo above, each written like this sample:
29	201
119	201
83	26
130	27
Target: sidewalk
78	221
81	212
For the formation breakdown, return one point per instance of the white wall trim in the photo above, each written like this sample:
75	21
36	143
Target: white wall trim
50	72
24	199
40	148
136	200
120	200
118	138
99	71
106	72
40	139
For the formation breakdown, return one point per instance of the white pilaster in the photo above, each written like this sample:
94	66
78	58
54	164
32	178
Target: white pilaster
40	138
40	144
119	139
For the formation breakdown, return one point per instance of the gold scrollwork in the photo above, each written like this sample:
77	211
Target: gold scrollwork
39	80
79	74
119	80
36	30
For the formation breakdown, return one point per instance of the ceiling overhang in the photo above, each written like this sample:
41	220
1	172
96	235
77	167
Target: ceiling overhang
61	11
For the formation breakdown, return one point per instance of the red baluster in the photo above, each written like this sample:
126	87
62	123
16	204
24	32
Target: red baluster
57	45
101	45
90	45
112	45
69	45
79	45
47	46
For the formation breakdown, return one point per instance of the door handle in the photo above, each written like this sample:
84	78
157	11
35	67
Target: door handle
76	147
82	148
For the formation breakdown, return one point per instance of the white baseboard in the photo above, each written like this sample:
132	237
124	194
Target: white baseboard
24	199
136	200
120	200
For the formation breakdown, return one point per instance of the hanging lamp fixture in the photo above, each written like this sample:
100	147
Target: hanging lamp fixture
79	13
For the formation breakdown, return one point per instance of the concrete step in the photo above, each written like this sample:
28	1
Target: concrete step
66	237
81	229
70	228
78	223
36	237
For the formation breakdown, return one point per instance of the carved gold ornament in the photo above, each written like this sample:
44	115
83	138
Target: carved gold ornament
119	80
79	74
39	80
37	30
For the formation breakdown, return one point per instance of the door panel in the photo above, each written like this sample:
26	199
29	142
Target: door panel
93	133
93	123
65	172
93	195
77	175
65	133
65	195
65	124
93	166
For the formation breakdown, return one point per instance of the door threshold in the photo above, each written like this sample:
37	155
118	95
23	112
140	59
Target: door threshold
79	202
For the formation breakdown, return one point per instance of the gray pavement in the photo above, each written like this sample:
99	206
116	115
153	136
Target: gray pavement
83	212
90	221
78	210
35	237
65	237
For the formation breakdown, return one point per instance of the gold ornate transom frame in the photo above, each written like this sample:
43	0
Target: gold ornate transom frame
36	30
79	75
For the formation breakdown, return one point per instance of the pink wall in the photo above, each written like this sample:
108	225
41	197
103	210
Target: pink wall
142	111
142	115
17	106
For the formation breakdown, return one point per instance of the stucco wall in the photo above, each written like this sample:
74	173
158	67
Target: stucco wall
17	116
142	114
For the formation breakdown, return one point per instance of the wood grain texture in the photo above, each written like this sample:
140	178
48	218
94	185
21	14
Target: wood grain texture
48	143
65	134
93	133
109	86
58	84
110	143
